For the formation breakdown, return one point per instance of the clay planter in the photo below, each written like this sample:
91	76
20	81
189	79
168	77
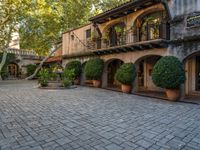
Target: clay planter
173	94
126	88
96	83
77	81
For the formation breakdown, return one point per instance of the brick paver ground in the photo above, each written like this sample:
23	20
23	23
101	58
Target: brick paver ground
92	119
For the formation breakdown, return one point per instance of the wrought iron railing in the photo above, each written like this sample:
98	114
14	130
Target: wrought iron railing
146	33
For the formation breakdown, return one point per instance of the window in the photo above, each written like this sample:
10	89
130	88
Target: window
88	33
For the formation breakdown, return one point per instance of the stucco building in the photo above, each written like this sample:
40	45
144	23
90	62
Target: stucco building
141	32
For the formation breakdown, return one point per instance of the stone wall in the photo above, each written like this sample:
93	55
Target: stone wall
183	7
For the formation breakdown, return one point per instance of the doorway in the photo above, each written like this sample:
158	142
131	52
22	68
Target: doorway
12	70
197	73
113	66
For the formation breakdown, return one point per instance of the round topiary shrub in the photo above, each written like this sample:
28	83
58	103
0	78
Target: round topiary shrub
126	74
94	68
76	66
168	73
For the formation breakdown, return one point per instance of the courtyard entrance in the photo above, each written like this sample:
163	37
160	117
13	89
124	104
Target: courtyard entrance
112	68
144	82
12	70
192	67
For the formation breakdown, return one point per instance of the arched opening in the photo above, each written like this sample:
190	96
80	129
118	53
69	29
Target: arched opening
112	67
151	26
192	68
114	34
13	70
144	81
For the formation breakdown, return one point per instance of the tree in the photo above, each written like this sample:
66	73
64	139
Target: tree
10	11
47	19
104	5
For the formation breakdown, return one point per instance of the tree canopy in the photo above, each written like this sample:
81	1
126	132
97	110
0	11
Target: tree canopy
41	22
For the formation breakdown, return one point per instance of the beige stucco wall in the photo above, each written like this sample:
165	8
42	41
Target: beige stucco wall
77	45
71	46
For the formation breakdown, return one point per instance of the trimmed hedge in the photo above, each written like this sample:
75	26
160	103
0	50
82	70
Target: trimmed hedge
94	69
168	73
76	66
126	74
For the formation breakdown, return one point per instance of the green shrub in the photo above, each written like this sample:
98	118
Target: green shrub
126	74
76	65
94	68
69	74
31	69
43	77
53	76
4	74
67	82
168	73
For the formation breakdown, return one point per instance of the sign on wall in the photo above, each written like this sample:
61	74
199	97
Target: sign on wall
193	20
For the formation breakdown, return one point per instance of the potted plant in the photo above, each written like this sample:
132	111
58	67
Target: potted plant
43	77
93	71
118	30
126	75
76	65
168	73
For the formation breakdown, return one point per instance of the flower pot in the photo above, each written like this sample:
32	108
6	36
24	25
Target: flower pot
126	88
96	83
173	94
77	81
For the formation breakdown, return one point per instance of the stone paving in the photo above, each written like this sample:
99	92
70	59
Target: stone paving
93	119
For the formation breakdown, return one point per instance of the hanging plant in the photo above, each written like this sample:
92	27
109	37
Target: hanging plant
118	29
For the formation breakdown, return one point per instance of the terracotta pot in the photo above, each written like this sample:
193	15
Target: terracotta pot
126	88
96	83
77	81
173	94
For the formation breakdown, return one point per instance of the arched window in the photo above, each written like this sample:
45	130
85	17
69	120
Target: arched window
115	34
152	26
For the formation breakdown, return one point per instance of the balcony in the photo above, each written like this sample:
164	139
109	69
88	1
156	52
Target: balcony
149	36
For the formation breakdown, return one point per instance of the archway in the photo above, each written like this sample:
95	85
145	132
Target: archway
13	70
112	67
114	34
151	25
144	67
192	69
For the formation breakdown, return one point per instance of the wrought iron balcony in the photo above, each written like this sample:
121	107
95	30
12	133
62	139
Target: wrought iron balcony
147	33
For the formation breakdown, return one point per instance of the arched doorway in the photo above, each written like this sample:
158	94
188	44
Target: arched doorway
13	70
192	69
112	67
144	73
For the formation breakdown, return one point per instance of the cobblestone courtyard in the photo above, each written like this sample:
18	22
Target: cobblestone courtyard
92	119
